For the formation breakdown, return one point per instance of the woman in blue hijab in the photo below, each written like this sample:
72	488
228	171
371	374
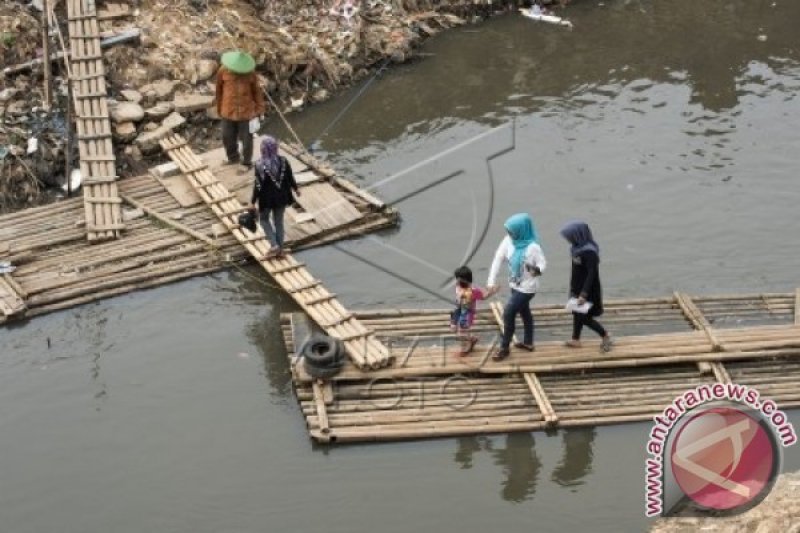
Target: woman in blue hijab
584	283
526	262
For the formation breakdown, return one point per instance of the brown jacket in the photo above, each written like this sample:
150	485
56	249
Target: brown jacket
239	96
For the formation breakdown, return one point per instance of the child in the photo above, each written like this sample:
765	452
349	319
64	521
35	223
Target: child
584	283
463	315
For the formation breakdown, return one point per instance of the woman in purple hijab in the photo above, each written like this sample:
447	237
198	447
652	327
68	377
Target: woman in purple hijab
584	284
272	192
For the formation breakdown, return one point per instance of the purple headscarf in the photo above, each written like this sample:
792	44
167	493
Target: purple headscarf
270	163
580	237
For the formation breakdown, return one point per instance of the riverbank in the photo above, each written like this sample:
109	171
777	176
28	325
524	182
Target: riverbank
778	513
304	53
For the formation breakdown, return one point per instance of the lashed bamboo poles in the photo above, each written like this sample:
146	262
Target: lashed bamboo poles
97	161
378	409
751	342
363	348
51	262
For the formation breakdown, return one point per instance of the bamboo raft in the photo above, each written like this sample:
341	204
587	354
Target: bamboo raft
97	161
169	237
364	350
751	340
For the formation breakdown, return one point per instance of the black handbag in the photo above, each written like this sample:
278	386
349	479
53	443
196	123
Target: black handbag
247	220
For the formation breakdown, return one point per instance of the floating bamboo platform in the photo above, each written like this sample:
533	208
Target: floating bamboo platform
103	214
364	350
429	392
169	236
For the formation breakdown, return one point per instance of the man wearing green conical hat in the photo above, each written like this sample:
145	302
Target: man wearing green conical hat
239	99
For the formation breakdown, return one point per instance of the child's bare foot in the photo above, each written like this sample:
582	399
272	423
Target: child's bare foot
573	344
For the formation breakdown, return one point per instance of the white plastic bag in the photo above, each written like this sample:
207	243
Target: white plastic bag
572	305
255	125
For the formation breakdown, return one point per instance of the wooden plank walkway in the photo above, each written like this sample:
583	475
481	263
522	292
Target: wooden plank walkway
97	162
431	393
364	350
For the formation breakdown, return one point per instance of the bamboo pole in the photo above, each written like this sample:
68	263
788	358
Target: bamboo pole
797	307
48	84
542	401
168	221
321	410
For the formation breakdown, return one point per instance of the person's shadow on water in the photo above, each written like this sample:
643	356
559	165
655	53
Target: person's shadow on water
576	462
521	467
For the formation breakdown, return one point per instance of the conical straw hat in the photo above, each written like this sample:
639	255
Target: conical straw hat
239	62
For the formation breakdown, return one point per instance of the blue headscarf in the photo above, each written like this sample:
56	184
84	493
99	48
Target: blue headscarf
522	232
580	237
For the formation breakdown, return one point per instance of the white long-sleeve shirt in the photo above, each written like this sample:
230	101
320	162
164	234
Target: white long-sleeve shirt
534	257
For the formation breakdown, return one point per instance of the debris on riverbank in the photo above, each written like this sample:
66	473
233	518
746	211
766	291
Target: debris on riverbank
778	513
305	52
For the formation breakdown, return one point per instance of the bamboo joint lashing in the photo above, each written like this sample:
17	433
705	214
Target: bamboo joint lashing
84	96
321	299
99	180
354	336
310	285
288	268
103	199
94	136
82	16
86	77
105	227
99	158
341	320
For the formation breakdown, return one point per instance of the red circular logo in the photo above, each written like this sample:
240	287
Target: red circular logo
724	458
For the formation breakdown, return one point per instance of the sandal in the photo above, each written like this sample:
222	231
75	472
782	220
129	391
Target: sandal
466	351
606	344
523	346
501	354
573	344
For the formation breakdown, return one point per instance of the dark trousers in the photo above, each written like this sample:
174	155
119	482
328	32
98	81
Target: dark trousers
579	320
233	132
518	304
274	229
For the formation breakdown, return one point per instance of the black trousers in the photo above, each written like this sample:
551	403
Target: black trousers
579	320
233	132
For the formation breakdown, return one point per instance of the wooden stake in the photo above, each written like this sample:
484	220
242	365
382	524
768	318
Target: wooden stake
48	84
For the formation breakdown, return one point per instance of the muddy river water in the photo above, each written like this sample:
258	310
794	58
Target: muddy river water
671	126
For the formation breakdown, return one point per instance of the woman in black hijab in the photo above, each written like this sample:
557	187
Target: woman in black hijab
584	283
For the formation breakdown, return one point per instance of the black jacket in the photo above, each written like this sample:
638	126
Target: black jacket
268	194
585	280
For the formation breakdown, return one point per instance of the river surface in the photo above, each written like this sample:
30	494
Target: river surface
671	126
